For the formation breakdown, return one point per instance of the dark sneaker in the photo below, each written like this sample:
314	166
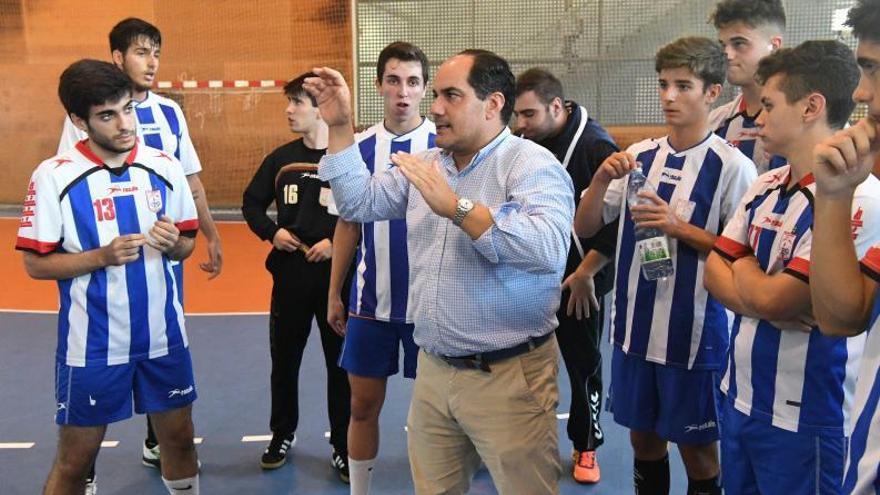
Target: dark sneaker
340	464
276	453
91	485
151	456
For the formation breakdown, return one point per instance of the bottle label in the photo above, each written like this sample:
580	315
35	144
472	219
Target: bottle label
653	249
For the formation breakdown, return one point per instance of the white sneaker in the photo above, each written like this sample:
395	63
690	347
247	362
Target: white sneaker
91	486
151	456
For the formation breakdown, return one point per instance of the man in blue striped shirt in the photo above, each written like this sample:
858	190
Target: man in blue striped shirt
488	218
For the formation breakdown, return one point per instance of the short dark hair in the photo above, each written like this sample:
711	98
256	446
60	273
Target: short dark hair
88	83
826	67
405	52
704	57
753	13
864	19
294	88
128	31
545	85
490	74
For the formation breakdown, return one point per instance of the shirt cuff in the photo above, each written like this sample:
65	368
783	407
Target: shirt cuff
485	244
336	164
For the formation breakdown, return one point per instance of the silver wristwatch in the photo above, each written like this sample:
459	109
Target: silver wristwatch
463	207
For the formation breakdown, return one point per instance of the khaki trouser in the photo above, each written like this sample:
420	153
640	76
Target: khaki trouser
507	418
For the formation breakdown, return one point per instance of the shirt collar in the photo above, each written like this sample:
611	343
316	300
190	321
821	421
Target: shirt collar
87	152
481	155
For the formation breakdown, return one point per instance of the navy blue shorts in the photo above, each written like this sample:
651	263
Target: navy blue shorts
677	404
100	395
372	348
757	457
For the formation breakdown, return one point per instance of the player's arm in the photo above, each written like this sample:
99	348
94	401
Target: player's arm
842	295
588	217
60	266
718	280
659	214
345	240
782	296
581	284
206	225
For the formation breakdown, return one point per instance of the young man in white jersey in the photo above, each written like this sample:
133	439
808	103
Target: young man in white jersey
749	30
844	280
106	220
380	323
135	48
670	335
788	388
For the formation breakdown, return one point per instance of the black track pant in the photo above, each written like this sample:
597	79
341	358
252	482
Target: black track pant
579	343
299	294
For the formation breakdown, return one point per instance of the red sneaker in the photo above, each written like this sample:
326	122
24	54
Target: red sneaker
586	469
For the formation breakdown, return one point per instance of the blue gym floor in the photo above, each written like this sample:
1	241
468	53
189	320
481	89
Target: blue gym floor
231	359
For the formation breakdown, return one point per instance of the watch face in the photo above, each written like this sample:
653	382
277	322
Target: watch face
465	204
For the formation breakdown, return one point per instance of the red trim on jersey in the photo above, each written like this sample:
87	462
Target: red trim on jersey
799	265
807	180
188	225
87	152
732	248
35	245
742	106
871	261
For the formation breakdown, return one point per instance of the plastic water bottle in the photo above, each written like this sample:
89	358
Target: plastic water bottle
652	245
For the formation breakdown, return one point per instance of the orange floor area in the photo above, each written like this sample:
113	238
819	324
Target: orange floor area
243	286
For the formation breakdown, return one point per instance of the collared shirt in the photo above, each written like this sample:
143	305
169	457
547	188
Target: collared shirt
470	296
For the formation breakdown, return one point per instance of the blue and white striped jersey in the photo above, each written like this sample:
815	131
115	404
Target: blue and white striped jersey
863	460
74	204
161	125
797	381
732	122
380	286
676	321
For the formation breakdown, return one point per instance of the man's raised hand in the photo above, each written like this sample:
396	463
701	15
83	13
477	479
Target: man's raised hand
332	94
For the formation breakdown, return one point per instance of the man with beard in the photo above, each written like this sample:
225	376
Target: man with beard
107	220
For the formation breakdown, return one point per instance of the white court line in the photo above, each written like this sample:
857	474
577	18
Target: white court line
109	444
256	438
198	440
326	434
16	445
562	416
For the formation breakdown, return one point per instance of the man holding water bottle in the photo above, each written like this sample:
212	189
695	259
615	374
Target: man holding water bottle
669	334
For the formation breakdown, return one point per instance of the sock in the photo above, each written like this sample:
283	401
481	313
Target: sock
651	477
151	440
710	486
360	474
186	486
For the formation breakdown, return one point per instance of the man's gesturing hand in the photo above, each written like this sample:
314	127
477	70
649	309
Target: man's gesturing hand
430	181
332	94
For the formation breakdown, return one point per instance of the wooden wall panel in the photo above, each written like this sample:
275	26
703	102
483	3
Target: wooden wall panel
222	39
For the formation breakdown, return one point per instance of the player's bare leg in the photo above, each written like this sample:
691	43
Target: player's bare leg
175	431
77	448
367	398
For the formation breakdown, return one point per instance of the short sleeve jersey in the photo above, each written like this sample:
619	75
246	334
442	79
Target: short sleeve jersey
676	321
797	381
75	203
380	285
